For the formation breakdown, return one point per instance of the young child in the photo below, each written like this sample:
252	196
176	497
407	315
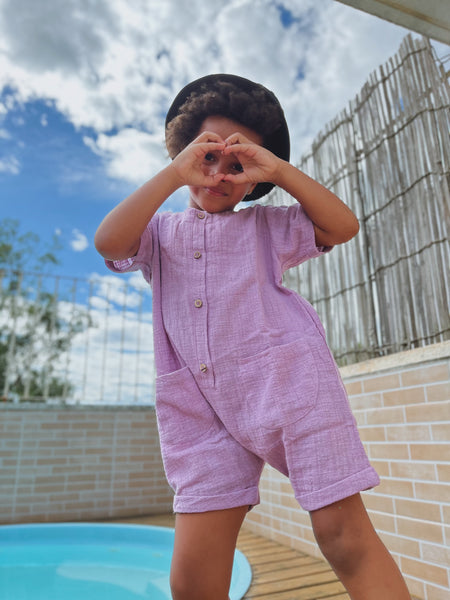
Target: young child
244	375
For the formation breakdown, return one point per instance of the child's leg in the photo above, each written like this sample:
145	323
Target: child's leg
348	540
203	553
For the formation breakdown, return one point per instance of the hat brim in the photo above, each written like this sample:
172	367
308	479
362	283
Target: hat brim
278	142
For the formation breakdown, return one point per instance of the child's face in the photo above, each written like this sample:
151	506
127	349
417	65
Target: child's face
225	195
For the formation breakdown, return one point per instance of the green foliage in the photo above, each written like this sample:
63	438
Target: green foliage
36	325
25	251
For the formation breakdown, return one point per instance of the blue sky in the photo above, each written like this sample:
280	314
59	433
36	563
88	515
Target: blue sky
60	185
84	88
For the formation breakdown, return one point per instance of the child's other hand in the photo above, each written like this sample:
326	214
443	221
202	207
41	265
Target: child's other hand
258	163
188	164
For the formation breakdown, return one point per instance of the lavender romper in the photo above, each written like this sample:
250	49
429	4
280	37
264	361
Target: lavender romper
244	374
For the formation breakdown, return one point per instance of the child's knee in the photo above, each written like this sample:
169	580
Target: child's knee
189	584
341	548
343	535
182	584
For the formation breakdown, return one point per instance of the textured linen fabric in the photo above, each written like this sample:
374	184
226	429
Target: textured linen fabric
244	374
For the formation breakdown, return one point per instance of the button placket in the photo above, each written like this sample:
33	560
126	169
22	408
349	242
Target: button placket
199	281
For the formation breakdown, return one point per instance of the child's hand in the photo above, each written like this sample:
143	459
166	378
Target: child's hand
188	165
258	163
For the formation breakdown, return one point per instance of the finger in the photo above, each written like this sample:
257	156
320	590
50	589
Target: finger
209	136
237	179
213	179
237	138
202	180
214	145
250	150
200	149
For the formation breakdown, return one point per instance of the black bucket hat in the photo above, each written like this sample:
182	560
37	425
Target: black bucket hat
277	142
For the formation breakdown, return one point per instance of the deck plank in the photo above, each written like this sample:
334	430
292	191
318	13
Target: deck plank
301	593
280	567
294	572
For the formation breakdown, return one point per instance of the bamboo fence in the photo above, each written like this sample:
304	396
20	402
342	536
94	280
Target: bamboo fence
387	156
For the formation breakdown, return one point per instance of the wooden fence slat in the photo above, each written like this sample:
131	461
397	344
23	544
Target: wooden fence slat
388	156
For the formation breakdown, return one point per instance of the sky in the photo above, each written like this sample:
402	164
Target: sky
85	86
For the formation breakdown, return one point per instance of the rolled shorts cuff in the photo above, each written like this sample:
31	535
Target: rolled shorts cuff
359	482
198	504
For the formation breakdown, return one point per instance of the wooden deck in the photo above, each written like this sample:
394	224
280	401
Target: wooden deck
279	573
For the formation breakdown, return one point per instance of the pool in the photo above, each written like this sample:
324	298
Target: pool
84	561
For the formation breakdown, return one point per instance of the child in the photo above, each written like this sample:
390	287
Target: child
244	375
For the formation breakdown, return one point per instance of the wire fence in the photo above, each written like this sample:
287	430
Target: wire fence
387	155
70	340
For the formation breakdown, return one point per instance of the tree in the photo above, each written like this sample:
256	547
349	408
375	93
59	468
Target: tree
24	251
36	327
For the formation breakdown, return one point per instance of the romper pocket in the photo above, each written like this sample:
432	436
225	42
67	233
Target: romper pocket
184	416
280	384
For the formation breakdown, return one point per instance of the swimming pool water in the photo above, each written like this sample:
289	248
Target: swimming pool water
93	562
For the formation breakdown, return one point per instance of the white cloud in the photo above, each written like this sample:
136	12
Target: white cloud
111	361
9	164
136	281
79	241
119	291
131	155
114	66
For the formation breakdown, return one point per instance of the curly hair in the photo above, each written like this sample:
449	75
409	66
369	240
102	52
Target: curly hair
256	109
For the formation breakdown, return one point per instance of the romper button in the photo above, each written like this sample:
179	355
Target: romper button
201	215
197	254
198	304
203	368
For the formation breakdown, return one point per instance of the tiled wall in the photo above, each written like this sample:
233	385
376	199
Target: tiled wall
402	405
79	463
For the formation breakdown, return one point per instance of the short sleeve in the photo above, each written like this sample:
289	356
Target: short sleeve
292	235
142	260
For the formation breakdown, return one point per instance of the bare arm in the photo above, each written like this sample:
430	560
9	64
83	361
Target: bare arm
334	223
118	235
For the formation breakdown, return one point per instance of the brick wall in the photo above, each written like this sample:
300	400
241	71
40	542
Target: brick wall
402	405
79	463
